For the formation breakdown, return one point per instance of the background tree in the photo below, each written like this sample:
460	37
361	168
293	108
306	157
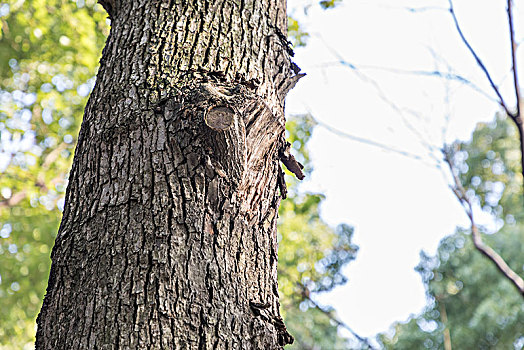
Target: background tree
311	256
470	304
49	52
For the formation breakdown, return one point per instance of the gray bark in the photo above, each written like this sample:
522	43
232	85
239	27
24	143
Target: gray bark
168	237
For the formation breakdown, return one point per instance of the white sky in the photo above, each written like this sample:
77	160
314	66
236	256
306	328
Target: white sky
397	205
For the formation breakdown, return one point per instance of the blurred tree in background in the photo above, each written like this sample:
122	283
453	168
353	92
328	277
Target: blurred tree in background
49	53
310	255
471	305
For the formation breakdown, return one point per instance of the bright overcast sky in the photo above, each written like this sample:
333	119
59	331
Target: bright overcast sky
397	205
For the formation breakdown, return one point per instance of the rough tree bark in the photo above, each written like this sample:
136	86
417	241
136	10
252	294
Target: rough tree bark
168	238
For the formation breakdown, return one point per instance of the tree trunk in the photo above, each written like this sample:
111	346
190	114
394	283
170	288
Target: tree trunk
168	237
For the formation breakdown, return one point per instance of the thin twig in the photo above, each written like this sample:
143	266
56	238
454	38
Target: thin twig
423	73
479	61
460	193
449	68
414	9
370	142
383	96
438	74
432	149
306	295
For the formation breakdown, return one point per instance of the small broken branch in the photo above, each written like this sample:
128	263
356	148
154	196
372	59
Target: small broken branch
460	193
290	162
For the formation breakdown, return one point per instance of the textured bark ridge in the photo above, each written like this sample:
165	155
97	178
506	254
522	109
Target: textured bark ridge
168	239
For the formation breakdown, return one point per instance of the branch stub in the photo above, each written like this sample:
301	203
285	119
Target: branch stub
219	117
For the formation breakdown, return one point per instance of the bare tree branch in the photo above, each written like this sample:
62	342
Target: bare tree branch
14	199
444	320
458	189
515	116
479	61
53	155
39	182
518	118
460	192
438	74
305	293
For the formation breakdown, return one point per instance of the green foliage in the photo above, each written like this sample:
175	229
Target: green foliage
313	330
329	4
49	53
295	30
297	35
490	168
483	310
26	240
466	293
311	255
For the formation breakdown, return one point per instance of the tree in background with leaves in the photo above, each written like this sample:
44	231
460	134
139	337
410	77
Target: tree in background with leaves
470	304
50	52
311	256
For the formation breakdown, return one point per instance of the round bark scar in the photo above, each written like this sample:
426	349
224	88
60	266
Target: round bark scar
220	117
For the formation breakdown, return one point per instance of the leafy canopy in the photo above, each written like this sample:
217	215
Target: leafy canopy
48	56
310	256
